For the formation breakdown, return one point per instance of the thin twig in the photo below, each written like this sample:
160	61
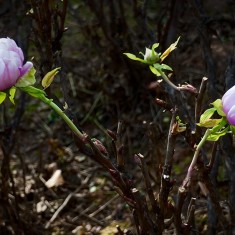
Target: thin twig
92	108
62	206
104	206
93	219
82	212
198	105
213	155
189	212
119	146
149	188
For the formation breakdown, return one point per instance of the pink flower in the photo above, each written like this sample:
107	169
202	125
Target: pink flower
228	103
11	63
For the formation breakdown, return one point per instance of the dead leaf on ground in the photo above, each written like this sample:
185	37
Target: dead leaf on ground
55	180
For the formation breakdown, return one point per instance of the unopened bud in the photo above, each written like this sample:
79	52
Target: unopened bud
112	135
49	78
100	146
151	56
189	88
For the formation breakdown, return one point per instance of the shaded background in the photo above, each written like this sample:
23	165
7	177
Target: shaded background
101	86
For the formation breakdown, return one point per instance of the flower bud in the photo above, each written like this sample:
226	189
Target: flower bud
189	88
228	103
11	63
100	146
151	56
49	77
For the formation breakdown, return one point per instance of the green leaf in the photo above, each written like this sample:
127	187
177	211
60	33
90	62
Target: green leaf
12	92
210	123
28	79
162	67
155	55
216	135
133	57
166	67
219	108
220	125
206	115
3	96
35	92
154	46
169	49
154	71
232	128
157	66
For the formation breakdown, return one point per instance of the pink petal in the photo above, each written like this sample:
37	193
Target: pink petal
10	45
15	57
11	63
5	54
13	71
3	82
25	69
231	115
228	100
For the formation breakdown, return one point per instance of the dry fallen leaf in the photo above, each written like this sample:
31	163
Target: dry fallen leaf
55	180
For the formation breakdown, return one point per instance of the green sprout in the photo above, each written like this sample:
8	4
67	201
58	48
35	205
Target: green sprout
155	59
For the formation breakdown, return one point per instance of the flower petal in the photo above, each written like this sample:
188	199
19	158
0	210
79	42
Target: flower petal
13	71
11	63
3	82
148	53
9	44
15	57
228	100
231	115
25	69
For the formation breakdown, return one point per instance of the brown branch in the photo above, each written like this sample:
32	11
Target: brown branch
204	177
149	188
190	212
145	222
182	194
166	183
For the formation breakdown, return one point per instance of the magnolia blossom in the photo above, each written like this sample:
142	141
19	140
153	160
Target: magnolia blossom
148	53
151	56
12	65
228	102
